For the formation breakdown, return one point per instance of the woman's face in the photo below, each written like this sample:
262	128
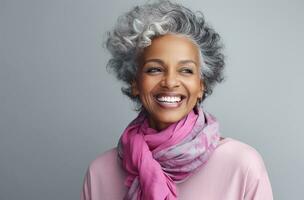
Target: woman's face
168	80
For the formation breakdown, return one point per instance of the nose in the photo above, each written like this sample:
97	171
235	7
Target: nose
170	80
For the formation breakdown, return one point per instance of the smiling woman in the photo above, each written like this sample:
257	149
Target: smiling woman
170	60
168	79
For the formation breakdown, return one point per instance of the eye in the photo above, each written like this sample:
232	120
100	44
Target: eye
187	70
153	70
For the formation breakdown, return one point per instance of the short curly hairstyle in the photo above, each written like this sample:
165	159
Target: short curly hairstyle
135	30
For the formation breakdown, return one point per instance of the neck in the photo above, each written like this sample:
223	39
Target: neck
159	126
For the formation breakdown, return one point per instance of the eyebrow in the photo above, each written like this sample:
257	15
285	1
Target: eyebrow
162	62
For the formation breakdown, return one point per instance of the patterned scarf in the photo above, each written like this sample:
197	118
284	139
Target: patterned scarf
155	161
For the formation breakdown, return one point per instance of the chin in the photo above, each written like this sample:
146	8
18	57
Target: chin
169	118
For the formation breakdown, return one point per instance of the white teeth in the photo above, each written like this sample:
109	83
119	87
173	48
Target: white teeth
169	99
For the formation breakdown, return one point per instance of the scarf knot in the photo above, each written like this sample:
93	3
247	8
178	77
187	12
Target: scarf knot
156	161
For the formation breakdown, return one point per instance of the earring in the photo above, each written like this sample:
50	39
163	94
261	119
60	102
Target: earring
200	99
198	103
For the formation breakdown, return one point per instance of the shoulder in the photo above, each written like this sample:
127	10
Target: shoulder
247	166
241	156
105	177
104	162
106	156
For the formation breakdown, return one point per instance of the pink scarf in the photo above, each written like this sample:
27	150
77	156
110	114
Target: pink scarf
155	161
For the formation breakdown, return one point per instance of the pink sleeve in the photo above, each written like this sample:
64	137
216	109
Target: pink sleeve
258	186
86	188
103	179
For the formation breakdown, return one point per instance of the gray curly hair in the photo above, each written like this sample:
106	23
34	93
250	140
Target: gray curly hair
135	30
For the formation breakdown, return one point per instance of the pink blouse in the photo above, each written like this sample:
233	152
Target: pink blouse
235	171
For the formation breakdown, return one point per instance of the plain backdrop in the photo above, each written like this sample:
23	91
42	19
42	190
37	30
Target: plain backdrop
60	108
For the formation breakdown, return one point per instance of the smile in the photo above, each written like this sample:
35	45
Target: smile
169	101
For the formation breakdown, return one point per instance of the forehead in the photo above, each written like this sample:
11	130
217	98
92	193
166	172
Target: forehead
172	47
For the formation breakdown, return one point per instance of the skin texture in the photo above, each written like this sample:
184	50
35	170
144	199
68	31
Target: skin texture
169	66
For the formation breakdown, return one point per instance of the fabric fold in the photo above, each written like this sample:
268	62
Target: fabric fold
156	161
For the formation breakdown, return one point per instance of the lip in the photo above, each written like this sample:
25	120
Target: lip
169	105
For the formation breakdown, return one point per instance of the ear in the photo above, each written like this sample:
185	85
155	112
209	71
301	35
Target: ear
202	89
134	88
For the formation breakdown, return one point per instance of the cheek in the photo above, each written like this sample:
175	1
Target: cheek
147	85
194	87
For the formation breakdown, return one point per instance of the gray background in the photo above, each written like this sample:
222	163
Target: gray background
59	108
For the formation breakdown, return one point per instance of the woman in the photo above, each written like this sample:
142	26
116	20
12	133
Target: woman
170	59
